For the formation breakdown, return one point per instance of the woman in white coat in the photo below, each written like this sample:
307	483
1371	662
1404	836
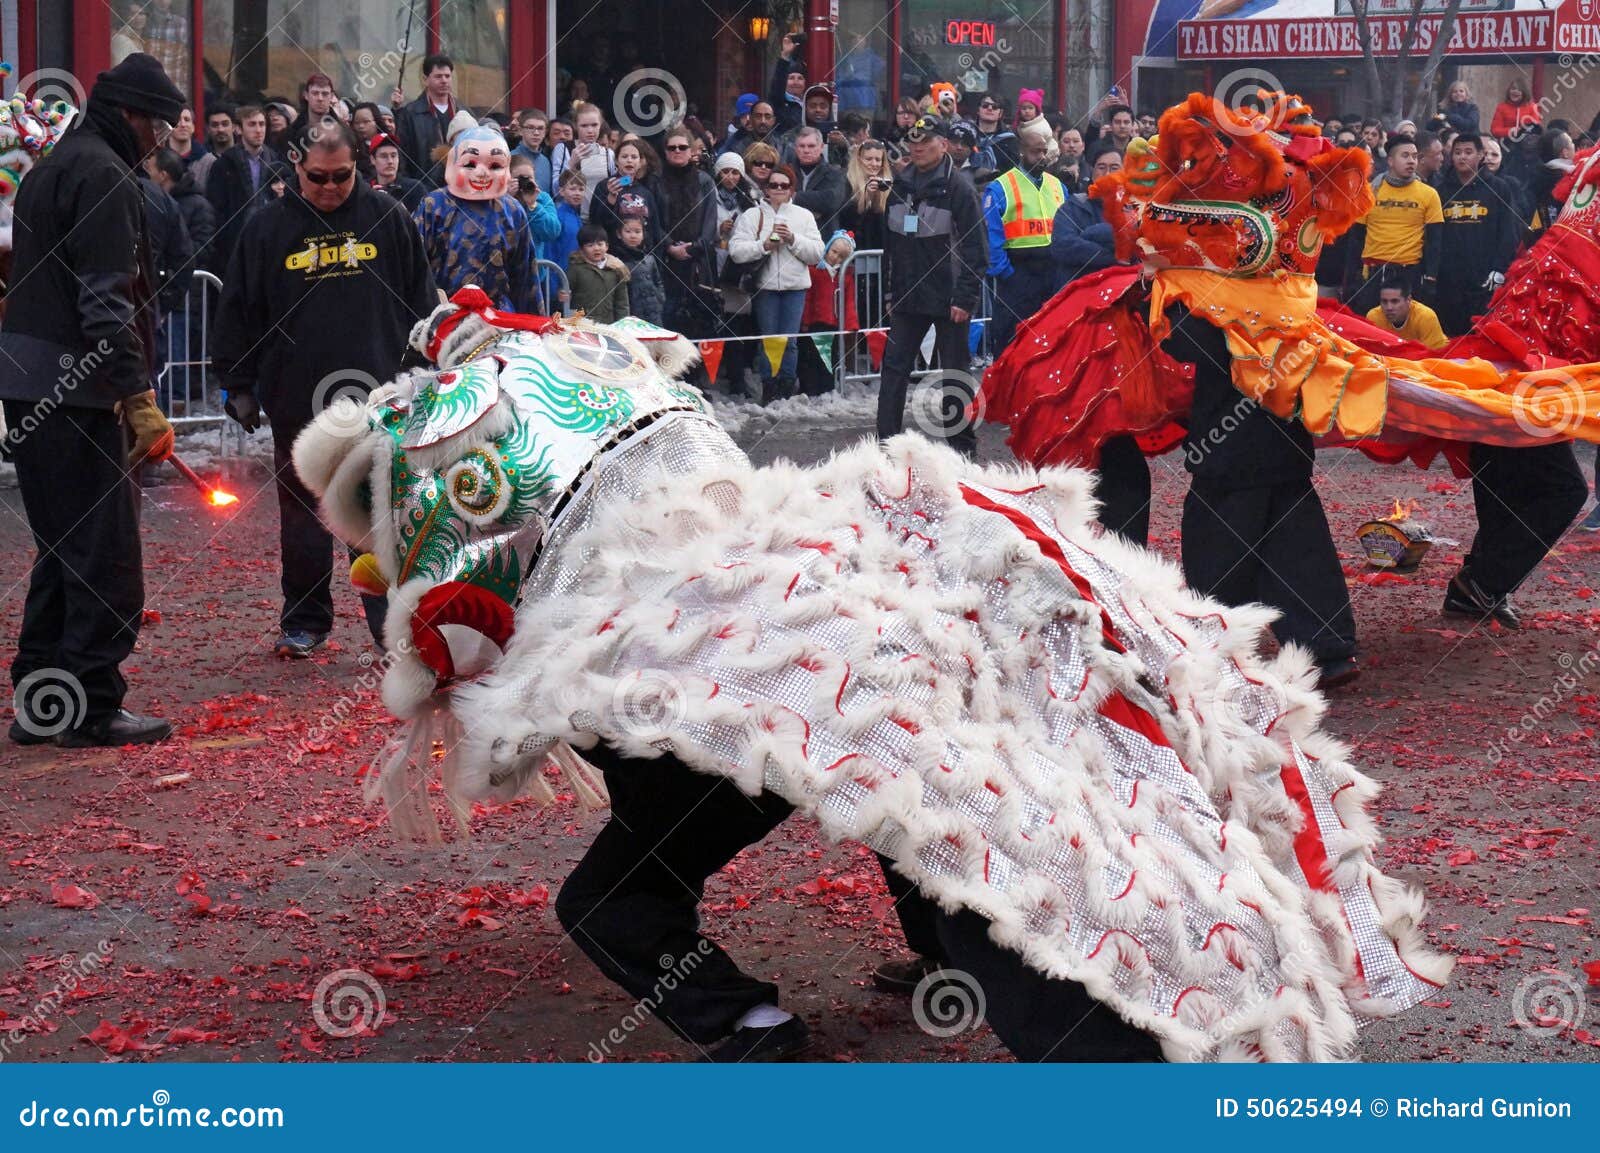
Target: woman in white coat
785	237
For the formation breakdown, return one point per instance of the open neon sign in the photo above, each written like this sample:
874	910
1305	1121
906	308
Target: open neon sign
970	33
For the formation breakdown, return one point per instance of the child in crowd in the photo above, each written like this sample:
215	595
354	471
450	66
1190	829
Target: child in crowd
646	296
815	362
569	211
1031	121
599	281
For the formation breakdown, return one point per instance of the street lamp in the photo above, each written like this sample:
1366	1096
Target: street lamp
760	28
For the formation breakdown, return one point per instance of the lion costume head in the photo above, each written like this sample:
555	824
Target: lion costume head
1242	191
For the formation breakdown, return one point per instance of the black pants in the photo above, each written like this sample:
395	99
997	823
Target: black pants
1271	544
919	917
1020	295
86	588
1459	304
307	549
1124	489
813	373
632	902
632	906
1038	1018
737	355
1526	498
906	330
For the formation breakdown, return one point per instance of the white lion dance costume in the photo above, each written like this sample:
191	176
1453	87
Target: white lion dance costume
946	662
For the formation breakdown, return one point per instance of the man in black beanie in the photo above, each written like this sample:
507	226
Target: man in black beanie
76	357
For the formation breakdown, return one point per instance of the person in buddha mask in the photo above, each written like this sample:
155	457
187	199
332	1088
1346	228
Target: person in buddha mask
472	232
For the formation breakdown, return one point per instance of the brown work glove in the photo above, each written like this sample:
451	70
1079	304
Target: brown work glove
152	435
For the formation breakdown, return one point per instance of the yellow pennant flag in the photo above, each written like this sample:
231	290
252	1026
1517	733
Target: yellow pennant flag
774	347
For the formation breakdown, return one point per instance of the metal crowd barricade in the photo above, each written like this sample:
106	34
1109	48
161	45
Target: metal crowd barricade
185	387
852	356
550	303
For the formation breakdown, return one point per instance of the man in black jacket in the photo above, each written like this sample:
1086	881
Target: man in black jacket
237	182
421	125
317	306
75	369
1481	233
1525	497
936	255
820	187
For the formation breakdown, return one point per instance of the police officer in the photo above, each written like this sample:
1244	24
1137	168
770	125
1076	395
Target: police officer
936	255
1020	208
76	355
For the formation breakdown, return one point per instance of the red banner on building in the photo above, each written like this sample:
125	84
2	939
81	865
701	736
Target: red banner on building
1515	33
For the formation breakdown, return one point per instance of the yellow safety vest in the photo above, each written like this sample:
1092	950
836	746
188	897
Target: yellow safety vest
1030	215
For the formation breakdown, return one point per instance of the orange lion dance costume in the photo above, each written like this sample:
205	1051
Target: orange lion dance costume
1228	211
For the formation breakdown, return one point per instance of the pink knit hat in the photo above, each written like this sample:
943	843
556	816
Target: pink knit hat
1033	96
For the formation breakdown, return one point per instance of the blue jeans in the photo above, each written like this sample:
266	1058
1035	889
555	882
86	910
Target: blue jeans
778	312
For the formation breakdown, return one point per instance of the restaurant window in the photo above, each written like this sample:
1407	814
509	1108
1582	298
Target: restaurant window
159	27
861	68
473	34
978	47
267	48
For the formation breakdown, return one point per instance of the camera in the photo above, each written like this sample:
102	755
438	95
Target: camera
877	184
527	184
624	182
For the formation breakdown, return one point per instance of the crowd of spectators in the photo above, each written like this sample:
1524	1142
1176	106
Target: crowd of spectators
683	214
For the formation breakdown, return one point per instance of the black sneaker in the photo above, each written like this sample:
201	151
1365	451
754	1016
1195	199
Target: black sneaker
297	646
1466	598
120	728
1337	672
902	977
763	1044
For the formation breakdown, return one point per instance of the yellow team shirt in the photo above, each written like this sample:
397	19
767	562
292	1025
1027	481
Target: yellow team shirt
1422	324
1395	223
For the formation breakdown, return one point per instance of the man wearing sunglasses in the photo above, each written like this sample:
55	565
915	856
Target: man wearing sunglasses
997	144
317	305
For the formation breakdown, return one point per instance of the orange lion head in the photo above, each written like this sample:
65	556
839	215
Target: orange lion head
1253	190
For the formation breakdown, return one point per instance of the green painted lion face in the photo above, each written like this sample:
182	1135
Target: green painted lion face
451	479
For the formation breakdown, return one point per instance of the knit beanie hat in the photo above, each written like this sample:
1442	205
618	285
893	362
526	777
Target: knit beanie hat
140	84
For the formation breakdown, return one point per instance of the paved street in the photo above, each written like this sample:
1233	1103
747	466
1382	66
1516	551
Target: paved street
217	879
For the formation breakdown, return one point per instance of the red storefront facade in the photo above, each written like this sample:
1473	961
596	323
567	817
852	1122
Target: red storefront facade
517	53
